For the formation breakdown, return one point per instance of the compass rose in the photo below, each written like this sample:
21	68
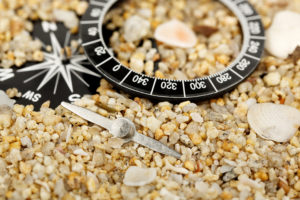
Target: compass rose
65	74
57	65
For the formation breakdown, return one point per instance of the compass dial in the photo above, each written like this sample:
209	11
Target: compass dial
98	53
64	75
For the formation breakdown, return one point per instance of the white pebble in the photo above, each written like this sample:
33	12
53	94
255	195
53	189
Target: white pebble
136	176
272	79
153	124
136	28
80	152
179	170
25	141
284	34
196	117
212	132
77	167
69	18
5	100
189	107
141	151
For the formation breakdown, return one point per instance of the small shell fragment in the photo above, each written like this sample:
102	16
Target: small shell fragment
176	33
274	122
136	176
5	100
284	34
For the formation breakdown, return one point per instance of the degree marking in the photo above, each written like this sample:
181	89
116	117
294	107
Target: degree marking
241	77
91	42
103	62
125	77
183	86
153	86
257	37
89	22
253	57
212	84
253	17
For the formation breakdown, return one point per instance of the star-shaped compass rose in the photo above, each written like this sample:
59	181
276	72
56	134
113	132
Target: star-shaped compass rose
56	65
65	74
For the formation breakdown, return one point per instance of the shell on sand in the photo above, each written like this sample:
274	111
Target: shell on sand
175	33
284	34
274	122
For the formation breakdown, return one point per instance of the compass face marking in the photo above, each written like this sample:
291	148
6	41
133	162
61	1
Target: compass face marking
173	90
6	74
58	77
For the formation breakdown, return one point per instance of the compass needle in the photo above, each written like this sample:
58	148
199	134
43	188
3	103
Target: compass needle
122	128
89	115
155	145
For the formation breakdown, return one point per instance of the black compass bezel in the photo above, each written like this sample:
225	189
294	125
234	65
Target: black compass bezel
202	88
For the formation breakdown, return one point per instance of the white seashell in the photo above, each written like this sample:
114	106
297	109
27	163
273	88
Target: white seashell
284	34
135	28
176	33
136	176
80	152
5	100
274	122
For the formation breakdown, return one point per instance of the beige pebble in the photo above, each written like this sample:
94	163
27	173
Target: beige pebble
272	79
297	186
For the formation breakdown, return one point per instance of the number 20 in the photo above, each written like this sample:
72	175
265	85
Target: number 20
100	51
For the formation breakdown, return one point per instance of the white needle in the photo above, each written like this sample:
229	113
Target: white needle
122	128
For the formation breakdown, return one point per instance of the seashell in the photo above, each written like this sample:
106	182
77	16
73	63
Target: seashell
176	33
5	100
136	176
284	34
274	122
